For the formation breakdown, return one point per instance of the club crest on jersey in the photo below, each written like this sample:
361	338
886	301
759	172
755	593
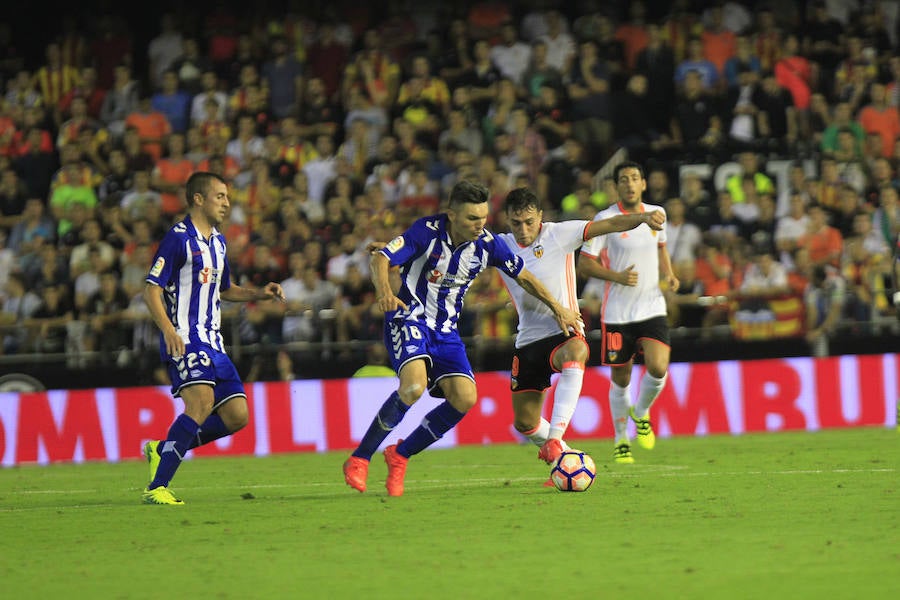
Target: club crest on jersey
434	276
538	251
395	244
612	355
158	267
208	275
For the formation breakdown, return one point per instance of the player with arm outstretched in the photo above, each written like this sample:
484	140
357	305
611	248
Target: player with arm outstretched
634	312
547	249
188	279
439	257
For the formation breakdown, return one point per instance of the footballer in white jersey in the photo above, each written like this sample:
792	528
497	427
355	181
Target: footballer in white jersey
547	249
633	263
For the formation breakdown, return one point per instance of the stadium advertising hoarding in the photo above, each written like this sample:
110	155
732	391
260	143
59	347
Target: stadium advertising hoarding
730	397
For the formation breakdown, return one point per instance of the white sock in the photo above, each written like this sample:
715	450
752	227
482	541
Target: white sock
539	434
619	403
650	389
568	390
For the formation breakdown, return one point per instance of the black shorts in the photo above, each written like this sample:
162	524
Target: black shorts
532	364
622	341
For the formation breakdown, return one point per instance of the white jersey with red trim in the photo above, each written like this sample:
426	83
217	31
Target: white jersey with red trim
617	251
551	258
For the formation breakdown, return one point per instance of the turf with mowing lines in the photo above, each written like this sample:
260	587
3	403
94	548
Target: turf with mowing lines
787	515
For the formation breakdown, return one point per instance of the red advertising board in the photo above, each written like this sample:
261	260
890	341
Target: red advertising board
730	397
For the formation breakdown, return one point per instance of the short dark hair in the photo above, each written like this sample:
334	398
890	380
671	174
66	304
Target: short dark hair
628	164
521	199
199	183
468	191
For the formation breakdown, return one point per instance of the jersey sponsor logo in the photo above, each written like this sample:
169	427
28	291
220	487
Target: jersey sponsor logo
395	244
158	267
624	235
208	275
510	264
538	251
434	276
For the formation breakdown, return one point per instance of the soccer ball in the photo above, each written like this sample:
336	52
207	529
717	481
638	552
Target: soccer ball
573	472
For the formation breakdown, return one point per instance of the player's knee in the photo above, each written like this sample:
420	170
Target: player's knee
657	370
411	392
525	424
235	415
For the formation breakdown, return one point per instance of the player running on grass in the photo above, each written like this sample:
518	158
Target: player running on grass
439	257
547	249
188	278
634	310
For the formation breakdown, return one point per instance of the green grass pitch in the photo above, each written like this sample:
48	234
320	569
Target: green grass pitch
781	515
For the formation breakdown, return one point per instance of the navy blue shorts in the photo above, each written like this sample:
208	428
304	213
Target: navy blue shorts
445	353
202	364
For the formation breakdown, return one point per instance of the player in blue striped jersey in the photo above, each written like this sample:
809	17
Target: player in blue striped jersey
184	289
439	257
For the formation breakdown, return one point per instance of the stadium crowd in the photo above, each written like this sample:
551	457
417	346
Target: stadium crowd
338	130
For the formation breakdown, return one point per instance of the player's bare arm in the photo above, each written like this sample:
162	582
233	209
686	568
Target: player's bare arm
665	270
384	295
655	220
588	266
153	298
568	319
237	293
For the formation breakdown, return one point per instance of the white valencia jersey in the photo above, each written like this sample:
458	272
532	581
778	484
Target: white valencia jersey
551	258
617	251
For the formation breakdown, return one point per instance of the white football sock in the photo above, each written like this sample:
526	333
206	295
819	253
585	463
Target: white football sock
619	403
650	390
568	390
539	434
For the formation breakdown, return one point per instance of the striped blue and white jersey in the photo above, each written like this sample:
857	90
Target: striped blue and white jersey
192	271
435	275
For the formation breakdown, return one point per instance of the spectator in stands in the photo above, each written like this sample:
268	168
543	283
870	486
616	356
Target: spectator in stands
764	276
794	73
318	114
373	72
164	49
552	119
841	121
684	237
589	93
635	122
886	218
284	77
824	242
683	307
881	118
80	257
744	59
657	63
19	304
121	100
741	114
823	44
54	80
824	299
696	62
172	102
719	42
29	234
540	72
777	118
698	202
141	201
560	44
170	174
48	324
191	66
13	194
697	125
749	163
511	56
151	125
104	312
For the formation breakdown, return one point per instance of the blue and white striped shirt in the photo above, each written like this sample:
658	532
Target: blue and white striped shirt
192	271
436	275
